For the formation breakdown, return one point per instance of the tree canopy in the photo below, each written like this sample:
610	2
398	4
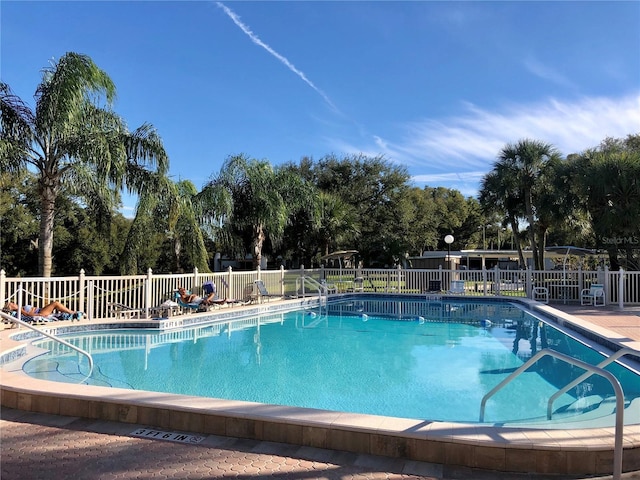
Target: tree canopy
66	161
75	143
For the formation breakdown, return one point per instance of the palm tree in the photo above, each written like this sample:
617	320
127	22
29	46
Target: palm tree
336	222
500	194
608	182
524	161
251	202
168	210
75	143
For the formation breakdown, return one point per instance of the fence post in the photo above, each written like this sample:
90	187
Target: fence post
496	280
195	279
81	289
528	282
282	280
399	278
91	299
606	281
147	292
620	288
580	280
230	287
484	280
3	278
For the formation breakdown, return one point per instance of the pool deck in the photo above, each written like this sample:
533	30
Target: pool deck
41	445
625	323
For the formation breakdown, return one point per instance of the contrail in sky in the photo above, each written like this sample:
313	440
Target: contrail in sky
254	38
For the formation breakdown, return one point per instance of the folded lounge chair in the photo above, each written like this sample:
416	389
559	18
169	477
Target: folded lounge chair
260	291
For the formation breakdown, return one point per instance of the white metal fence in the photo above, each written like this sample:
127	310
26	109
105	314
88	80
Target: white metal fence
97	295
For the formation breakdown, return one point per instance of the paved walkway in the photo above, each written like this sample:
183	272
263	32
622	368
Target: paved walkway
625	322
42	447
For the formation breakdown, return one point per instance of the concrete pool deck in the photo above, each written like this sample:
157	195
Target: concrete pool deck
60	429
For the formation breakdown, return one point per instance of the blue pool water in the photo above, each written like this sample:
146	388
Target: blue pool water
403	358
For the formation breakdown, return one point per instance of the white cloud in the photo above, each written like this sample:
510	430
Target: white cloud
458	150
255	39
473	140
547	73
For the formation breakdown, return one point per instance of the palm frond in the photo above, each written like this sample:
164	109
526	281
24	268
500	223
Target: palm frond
16	129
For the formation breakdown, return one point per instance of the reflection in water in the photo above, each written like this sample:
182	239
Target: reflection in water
436	357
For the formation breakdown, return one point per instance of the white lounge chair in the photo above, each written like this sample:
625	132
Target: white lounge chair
593	295
457	287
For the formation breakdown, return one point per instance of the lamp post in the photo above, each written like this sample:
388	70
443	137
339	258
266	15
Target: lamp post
448	240
484	236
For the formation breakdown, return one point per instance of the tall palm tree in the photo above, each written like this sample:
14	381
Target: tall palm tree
74	142
250	199
524	161
167	209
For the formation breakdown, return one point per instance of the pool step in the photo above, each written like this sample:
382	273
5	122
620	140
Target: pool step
594	411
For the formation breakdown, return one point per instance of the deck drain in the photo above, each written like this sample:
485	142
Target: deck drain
168	436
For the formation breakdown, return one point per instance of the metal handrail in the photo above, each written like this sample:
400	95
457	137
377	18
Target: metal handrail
617	453
321	288
52	337
607	361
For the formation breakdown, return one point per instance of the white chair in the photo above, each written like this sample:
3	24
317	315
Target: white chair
456	287
593	295
540	294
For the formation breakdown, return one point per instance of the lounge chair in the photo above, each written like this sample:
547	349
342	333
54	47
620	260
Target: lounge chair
209	288
121	310
35	319
593	295
260	291
540	294
202	305
194	306
457	287
165	309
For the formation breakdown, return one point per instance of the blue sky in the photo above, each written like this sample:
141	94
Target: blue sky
439	87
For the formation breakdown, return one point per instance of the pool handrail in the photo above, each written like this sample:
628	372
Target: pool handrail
617	388
322	288
52	337
610	359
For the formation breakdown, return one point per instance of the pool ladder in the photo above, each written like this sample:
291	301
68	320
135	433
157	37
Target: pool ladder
52	337
322	288
590	370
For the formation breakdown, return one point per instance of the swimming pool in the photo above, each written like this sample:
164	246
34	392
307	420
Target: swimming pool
407	357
